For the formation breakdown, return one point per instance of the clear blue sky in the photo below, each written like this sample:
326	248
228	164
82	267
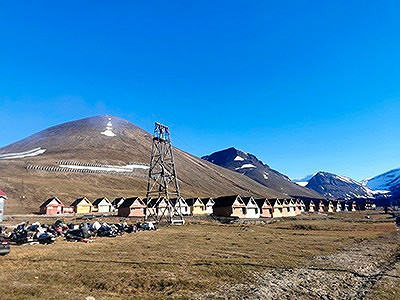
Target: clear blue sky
304	85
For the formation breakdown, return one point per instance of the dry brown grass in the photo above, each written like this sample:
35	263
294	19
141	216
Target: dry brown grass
178	261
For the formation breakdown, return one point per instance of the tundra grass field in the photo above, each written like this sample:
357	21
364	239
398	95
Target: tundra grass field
313	257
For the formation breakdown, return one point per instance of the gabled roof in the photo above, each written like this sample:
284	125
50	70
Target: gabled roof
192	201
261	201
79	200
226	201
246	200
283	201
153	201
274	202
2	194
99	200
48	201
309	202
129	201
326	202
206	200
174	201
117	200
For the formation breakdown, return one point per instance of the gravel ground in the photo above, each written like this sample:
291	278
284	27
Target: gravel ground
349	274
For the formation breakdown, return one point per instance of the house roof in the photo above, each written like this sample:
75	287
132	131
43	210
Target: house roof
273	201
2	194
175	200
261	201
308	202
283	201
226	200
79	200
152	201
98	200
129	201
206	200
48	201
192	201
246	200
117	200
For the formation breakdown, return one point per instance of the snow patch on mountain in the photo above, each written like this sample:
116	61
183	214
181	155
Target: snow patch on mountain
108	131
238	158
246	166
29	153
303	181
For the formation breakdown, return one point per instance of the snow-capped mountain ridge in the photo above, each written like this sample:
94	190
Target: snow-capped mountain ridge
341	187
388	181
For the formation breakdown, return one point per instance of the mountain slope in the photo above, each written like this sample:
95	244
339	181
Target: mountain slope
389	181
100	141
249	165
340	187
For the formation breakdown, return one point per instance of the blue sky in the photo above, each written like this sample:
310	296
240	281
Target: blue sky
304	85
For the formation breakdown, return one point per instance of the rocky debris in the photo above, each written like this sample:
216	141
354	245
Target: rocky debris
350	274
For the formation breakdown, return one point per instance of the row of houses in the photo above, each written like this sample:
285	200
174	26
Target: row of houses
227	206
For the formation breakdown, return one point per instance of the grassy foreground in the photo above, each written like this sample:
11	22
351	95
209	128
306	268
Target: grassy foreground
176	261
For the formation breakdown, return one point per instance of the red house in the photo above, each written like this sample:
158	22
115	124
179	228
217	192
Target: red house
132	207
52	206
265	207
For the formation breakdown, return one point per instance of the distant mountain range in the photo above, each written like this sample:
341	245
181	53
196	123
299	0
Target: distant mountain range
341	187
250	166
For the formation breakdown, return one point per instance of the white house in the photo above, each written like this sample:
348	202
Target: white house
252	209
209	203
117	202
103	205
181	204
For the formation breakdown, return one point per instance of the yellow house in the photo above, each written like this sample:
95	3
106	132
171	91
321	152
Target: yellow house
277	208
82	206
197	206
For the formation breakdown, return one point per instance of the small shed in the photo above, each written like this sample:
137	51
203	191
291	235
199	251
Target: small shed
310	206
252	209
337	205
353	206
156	207
302	206
265	207
277	208
298	207
3	197
292	207
319	206
132	207
345	206
229	206
196	206
285	207
82	206
328	206
52	206
103	205
116	203
209	203
181	206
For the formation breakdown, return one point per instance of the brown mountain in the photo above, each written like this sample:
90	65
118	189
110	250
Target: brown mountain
88	141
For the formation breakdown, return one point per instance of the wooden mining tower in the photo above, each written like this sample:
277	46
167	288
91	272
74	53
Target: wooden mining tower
162	184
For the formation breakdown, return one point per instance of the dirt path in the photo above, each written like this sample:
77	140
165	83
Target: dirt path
350	274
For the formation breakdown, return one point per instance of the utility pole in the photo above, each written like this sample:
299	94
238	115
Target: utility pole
162	183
